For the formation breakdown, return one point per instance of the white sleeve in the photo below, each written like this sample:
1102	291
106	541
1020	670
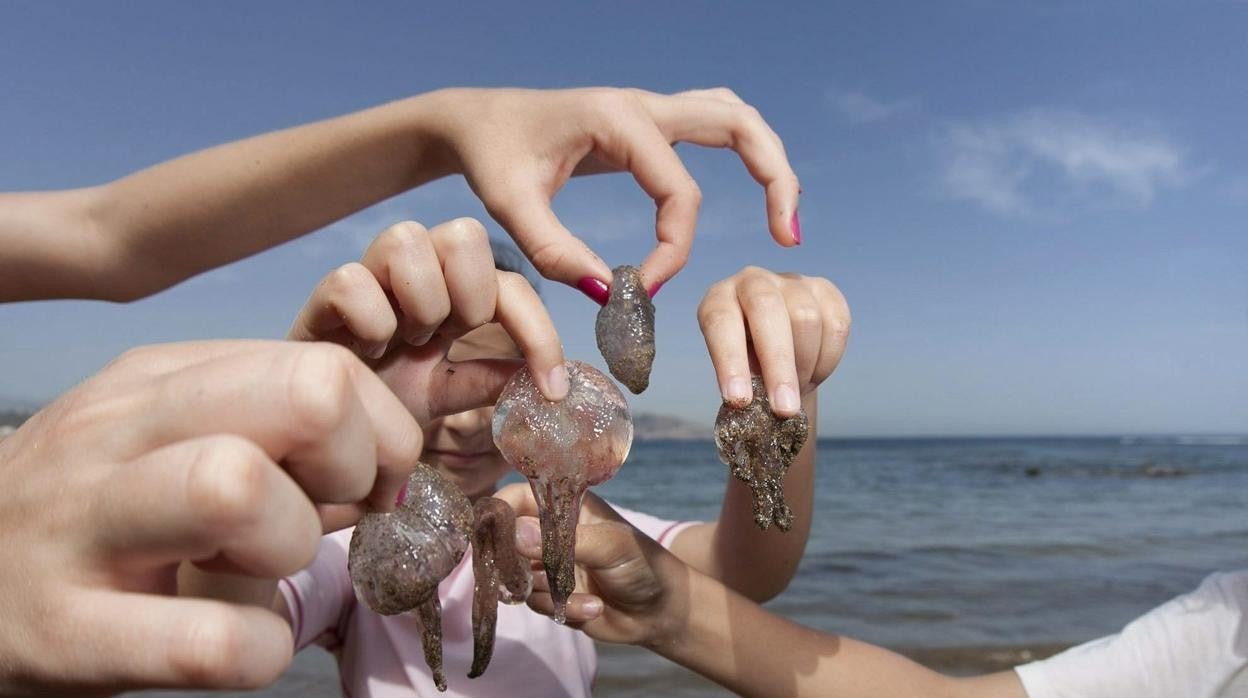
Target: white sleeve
661	530
1194	646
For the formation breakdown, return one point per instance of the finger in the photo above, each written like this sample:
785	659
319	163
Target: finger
520	311
405	263
140	364
723	328
217	499
581	608
459	386
133	640
718	122
806	321
519	496
836	323
557	254
336	428
348	307
468	270
767	317
642	149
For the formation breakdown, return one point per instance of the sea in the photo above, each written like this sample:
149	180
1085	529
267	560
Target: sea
968	554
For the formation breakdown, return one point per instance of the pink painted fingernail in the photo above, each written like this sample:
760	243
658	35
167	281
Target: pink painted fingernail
654	290
398	501
597	291
795	226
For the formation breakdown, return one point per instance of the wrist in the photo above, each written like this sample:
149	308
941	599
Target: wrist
436	117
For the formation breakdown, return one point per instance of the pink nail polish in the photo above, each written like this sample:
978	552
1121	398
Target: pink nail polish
398	501
597	291
795	225
654	290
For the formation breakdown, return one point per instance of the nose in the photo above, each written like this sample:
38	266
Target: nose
466	423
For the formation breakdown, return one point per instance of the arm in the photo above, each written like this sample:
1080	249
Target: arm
635	592
517	148
151	229
798	327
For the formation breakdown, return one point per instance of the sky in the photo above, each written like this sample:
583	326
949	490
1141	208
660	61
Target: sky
1037	211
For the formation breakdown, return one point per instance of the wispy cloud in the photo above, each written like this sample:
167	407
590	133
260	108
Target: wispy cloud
1009	165
858	108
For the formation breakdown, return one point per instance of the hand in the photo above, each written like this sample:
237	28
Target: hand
443	284
517	148
214	452
628	588
797	330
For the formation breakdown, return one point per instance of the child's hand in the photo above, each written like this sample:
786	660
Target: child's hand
412	294
797	328
626	584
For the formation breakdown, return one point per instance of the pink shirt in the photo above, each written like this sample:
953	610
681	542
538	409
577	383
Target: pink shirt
381	656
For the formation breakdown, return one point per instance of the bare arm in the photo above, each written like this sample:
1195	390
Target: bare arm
734	642
151	229
635	592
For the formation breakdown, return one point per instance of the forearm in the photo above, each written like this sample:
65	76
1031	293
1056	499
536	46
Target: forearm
736	643
153	228
757	563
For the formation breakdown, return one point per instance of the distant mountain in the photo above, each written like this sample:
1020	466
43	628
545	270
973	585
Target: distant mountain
14	417
652	427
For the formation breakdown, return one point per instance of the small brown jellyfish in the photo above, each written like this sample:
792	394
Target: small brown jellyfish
625	329
397	560
563	448
499	574
760	447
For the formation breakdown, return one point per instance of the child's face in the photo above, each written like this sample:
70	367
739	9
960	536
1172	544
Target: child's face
461	446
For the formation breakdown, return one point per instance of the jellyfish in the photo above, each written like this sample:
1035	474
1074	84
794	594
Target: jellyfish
760	447
563	448
625	330
397	560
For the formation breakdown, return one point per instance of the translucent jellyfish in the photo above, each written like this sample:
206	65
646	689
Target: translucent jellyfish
760	447
563	448
397	560
625	329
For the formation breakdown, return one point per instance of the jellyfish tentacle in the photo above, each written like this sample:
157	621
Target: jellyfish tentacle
499	574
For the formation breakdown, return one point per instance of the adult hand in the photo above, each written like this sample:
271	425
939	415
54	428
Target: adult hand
443	284
789	327
214	452
517	148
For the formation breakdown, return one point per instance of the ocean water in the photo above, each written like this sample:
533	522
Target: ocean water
965	553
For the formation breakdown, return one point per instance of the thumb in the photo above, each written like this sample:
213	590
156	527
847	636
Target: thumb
607	544
459	386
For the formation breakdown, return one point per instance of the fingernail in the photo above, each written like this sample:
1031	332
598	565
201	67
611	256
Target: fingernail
592	608
786	399
528	535
559	385
376	351
654	290
795	225
738	392
597	291
398	501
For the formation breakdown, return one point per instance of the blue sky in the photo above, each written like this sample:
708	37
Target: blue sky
1037	210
